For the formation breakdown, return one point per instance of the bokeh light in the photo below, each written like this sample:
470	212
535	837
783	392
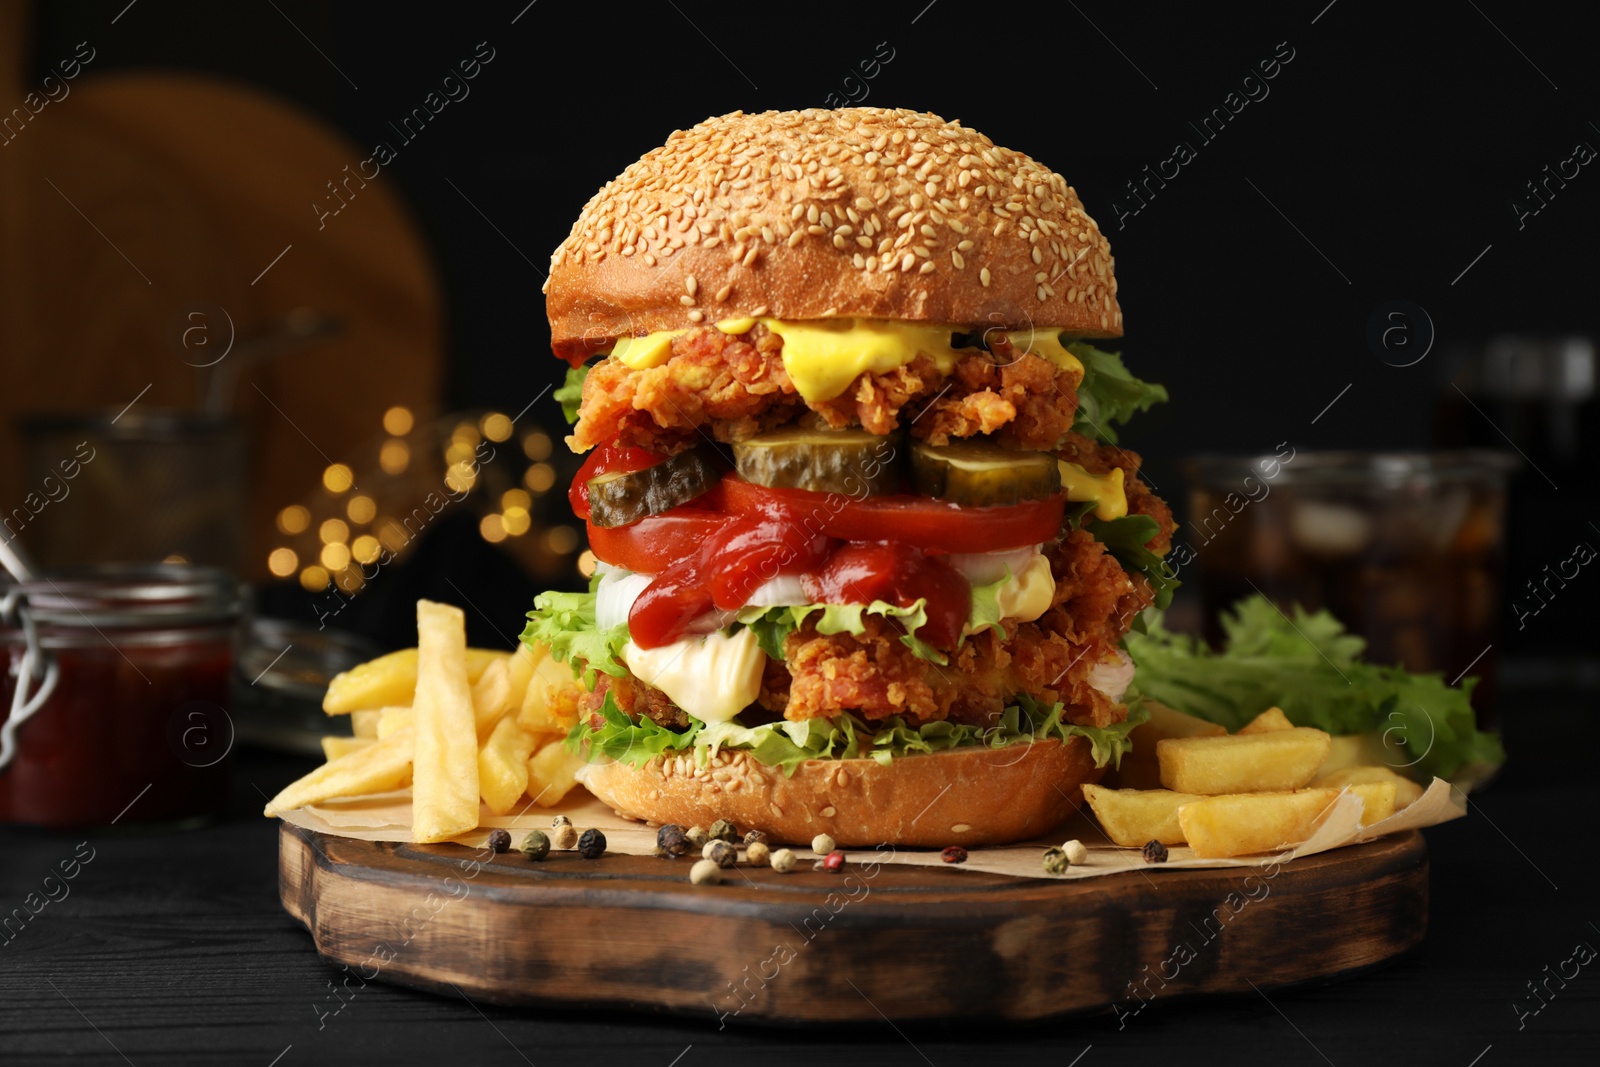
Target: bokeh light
516	521
586	563
394	457
337	478
350	579
361	509
460	478
492	529
365	548
335	557
282	562
515	498
495	426
293	519
536	446
315	579
539	477
397	421
393	535
561	539
333	531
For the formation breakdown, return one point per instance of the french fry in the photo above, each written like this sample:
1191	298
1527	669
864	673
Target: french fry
391	720
1130	817
552	772
1355	750
491	696
1222	826
503	766
391	680
1407	792
444	794
1139	768
1377	800
550	704
522	663
1266	722
1277	761
334	746
364	723
374	768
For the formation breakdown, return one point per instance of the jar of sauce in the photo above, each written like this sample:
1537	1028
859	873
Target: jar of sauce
124	674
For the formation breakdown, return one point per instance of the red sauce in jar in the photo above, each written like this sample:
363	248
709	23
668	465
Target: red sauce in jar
136	728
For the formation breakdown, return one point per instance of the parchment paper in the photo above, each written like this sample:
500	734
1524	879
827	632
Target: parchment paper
387	817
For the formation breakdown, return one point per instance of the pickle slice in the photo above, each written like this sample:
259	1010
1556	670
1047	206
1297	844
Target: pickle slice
624	497
823	461
981	475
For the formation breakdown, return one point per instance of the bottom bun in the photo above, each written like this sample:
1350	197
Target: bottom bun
967	796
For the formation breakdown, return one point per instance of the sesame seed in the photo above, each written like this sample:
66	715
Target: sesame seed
955	257
983	276
690	285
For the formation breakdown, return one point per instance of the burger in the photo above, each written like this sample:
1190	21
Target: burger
865	544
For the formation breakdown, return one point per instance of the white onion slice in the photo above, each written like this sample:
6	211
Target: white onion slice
1113	675
982	568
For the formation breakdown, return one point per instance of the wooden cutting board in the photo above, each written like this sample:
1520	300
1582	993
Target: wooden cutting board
876	941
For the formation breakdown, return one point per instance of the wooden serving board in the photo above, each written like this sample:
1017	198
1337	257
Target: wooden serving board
875	941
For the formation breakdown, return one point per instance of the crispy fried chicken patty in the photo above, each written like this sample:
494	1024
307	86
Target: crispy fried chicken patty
737	386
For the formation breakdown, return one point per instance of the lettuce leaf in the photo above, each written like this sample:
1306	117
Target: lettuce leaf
1108	394
570	395
772	625
566	622
1125	539
1307	664
788	744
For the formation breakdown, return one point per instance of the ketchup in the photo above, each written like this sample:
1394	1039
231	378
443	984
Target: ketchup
900	574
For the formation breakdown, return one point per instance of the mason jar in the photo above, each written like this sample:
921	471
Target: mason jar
113	706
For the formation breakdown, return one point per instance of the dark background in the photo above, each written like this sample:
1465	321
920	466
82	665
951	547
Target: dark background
1391	148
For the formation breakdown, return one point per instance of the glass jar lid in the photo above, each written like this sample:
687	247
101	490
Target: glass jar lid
127	595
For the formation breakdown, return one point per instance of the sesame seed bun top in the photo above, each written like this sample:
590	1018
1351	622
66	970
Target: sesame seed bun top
812	214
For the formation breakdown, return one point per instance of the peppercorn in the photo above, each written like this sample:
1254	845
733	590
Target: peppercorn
782	861
721	853
822	844
954	854
705	872
536	846
1154	851
1055	861
670	841
755	837
565	836
833	861
1076	852
560	821
757	853
592	845
723	830
499	841
697	836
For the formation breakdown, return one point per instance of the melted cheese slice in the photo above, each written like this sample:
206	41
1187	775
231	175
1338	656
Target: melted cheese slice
823	356
1106	490
713	678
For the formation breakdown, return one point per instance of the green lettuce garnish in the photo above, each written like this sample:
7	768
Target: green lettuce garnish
772	625
566	622
845	736
1108	394
1307	664
1125	539
570	395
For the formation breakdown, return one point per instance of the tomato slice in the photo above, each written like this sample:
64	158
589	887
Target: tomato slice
932	525
653	544
605	460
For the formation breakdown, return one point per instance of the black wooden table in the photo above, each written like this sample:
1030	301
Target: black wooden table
172	948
